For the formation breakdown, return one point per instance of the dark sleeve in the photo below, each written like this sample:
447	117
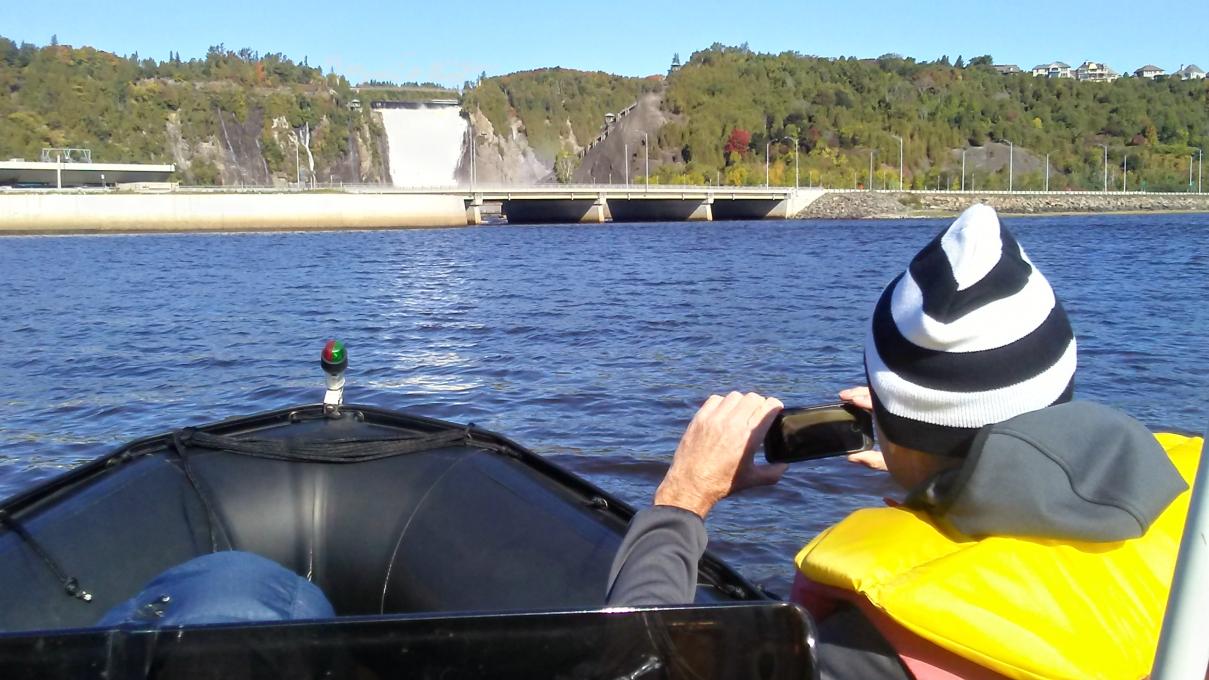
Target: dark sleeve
850	646
657	561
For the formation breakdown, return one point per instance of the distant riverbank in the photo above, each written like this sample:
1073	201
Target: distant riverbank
895	204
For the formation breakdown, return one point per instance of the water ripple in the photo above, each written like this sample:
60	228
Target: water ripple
591	344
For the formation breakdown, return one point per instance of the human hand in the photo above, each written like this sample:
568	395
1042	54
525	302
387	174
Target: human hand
861	398
716	455
858	396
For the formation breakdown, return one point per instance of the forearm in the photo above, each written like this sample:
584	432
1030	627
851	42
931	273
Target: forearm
657	561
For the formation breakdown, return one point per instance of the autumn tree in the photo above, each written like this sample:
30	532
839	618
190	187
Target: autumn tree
738	142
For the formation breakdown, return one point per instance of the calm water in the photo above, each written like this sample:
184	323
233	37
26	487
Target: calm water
592	345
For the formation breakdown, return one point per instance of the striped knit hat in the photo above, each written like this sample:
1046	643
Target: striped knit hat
970	334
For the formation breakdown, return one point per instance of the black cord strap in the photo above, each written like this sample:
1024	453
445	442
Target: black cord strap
71	585
331	451
179	446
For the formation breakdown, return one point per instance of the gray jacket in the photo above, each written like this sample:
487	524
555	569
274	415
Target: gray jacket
1076	471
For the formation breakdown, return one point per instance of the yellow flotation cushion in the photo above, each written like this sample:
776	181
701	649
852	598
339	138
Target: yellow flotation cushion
1023	608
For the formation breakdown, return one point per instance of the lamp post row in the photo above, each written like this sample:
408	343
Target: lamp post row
767	150
1200	156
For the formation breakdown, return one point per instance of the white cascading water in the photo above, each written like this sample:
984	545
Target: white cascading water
425	144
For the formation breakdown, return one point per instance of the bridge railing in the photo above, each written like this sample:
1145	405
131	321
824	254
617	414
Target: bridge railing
631	189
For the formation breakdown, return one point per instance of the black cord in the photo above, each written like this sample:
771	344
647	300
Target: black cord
71	585
333	451
179	446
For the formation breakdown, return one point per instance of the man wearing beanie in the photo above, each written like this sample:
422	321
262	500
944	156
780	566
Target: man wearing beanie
1038	534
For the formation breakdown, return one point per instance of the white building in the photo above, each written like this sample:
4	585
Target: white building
1190	72
1095	71
1055	69
1149	71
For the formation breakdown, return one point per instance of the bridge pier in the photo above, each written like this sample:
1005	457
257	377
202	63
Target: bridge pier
474	210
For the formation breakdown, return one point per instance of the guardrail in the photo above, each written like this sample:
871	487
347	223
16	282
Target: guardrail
632	188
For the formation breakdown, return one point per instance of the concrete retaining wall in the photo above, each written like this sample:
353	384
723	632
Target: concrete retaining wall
49	213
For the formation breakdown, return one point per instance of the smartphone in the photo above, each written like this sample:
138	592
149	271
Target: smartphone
814	432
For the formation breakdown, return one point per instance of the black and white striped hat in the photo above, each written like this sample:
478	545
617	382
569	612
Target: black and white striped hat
970	334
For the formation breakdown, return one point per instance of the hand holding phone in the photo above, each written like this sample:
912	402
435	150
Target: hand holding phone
814	432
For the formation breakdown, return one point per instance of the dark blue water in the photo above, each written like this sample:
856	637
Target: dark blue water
593	345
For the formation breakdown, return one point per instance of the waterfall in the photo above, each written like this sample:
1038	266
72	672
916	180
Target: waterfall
425	143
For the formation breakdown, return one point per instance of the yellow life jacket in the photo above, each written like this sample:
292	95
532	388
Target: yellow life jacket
1023	608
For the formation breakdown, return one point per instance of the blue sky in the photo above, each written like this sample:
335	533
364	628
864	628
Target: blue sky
450	42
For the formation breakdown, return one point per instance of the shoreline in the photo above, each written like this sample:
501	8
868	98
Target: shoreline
922	205
77	213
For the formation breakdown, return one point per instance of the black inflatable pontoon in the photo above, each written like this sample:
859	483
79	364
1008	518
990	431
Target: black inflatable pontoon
395	517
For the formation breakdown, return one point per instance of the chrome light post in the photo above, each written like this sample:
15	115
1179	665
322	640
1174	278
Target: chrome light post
900	161
1011	162
796	168
963	169
766	148
646	157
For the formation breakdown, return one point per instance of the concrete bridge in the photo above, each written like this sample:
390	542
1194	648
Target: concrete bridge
563	203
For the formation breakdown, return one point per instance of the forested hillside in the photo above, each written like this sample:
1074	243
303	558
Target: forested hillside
734	101
556	106
240	117
231	117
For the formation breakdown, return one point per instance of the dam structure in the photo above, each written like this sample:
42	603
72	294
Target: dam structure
425	140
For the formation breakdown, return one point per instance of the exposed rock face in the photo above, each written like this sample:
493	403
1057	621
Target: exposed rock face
607	161
891	204
236	155
501	158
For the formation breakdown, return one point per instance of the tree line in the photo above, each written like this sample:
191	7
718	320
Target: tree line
728	106
837	113
135	109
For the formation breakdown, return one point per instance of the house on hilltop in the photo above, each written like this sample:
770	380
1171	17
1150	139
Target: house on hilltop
1096	72
1149	71
1190	72
1006	69
1055	69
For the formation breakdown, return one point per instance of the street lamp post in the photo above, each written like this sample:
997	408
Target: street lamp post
963	169
871	152
766	148
1011	162
1105	167
795	163
626	150
1200	159
1047	172
900	161
646	157
474	174
1124	172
